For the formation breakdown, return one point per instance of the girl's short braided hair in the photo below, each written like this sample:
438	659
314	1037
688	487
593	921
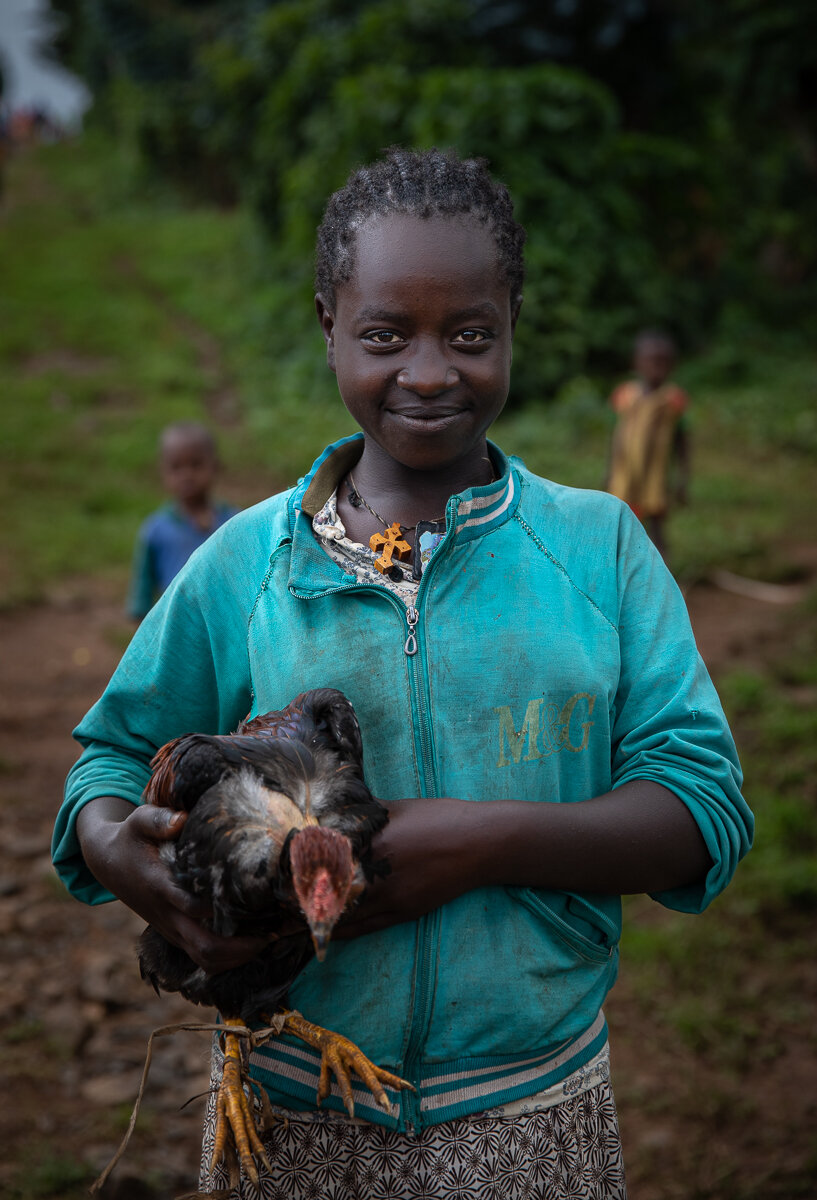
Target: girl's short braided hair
422	184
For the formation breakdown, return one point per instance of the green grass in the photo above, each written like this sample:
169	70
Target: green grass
23	1030
48	1176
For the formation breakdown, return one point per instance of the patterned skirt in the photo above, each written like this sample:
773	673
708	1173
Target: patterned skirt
569	1151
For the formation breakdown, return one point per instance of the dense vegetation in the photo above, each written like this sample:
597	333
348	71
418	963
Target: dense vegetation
663	156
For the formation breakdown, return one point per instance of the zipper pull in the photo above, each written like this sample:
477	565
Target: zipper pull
412	616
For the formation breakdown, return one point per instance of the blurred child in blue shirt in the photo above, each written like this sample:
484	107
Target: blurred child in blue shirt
188	461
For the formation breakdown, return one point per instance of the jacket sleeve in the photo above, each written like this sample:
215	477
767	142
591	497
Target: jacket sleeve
669	725
185	669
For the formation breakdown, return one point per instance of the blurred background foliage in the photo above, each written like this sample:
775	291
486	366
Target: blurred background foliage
661	153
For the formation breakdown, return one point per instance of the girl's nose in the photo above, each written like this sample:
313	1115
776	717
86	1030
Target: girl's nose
428	383
428	374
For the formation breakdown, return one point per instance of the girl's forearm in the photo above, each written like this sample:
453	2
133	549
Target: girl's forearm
96	823
99	812
638	838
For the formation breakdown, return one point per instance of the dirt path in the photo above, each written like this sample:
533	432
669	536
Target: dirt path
75	1015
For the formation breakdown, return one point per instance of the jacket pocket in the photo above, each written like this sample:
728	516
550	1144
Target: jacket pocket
585	928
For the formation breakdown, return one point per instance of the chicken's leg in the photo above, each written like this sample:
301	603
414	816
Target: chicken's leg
236	1135
339	1056
234	1110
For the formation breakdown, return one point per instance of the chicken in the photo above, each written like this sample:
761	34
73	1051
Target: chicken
278	842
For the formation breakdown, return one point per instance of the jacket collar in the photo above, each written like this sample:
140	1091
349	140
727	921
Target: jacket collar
469	514
326	473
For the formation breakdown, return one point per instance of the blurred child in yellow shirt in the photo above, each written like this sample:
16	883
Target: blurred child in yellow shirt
649	458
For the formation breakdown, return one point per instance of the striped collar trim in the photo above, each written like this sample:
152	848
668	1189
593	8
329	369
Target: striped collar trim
488	506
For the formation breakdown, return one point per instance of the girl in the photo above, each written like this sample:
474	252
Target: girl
523	671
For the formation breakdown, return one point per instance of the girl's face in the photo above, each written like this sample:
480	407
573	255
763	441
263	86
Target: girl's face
420	339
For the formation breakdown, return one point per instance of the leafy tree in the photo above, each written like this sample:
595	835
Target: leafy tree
662	153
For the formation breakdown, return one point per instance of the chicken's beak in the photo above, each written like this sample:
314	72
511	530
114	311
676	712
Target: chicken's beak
321	933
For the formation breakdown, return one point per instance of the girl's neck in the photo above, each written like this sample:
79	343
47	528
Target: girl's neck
406	495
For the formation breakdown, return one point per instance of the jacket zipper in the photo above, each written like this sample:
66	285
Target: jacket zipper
429	925
412	617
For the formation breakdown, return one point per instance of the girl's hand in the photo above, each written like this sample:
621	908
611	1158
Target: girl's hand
120	844
434	849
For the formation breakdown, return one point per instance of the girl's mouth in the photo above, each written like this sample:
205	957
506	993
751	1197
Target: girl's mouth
427	419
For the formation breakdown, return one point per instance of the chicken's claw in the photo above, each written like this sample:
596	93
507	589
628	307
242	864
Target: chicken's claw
340	1056
234	1113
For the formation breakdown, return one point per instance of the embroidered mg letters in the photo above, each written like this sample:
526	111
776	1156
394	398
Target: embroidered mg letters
546	729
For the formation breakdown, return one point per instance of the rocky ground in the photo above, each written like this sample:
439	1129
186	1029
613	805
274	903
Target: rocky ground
75	1016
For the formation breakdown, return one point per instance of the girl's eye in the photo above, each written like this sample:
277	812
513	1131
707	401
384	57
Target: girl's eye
383	337
471	337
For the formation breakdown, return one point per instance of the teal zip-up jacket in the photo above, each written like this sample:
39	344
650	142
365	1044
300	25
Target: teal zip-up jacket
553	660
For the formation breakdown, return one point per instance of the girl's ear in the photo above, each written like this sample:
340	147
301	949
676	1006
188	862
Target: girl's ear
516	305
326	319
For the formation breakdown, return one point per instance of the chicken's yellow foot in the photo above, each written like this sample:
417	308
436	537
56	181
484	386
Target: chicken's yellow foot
339	1056
234	1115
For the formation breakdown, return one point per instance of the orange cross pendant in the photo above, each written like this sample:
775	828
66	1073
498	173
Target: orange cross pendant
392	542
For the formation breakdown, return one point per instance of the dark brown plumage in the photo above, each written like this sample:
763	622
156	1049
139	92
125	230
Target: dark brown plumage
289	780
278	842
